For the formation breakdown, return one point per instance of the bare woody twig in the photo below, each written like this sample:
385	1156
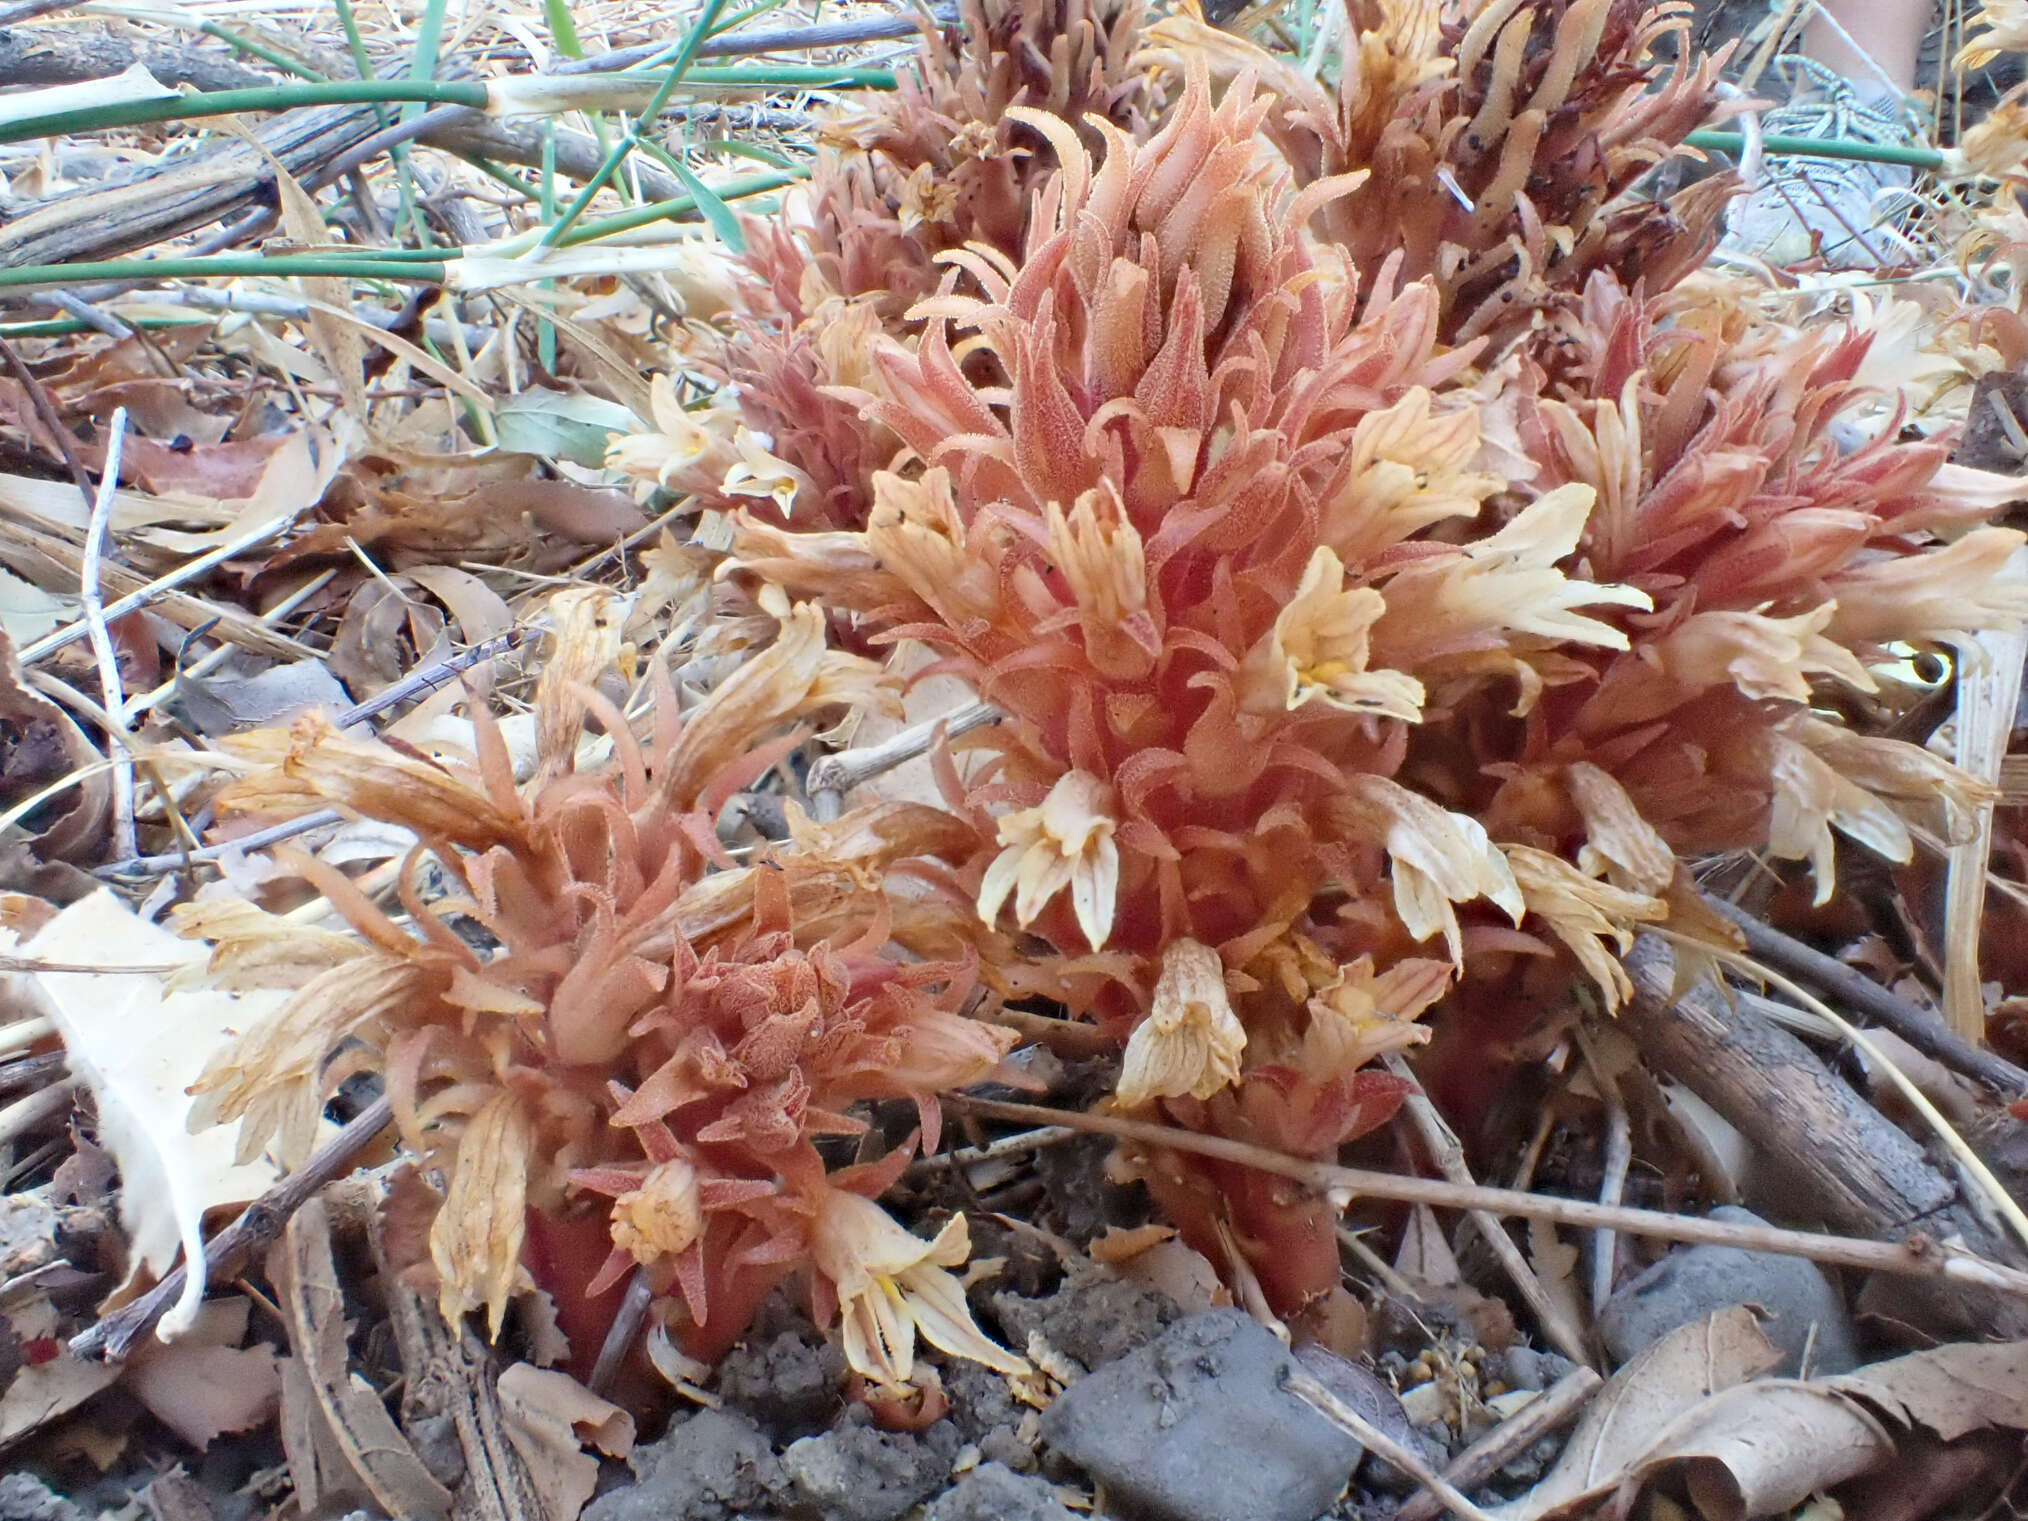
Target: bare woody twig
1926	1032
1371	1437
846	769
102	641
189	570
1555	1407
1450	1160
258	1226
1915	1257
45	413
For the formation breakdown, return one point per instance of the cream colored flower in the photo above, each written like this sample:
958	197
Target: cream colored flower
1318	649
925	198
1098	552
1191	1041
682	440
758	473
1765	658
1409	469
1359	1016
1065	841
891	1285
1437	858
1583	912
663	1217
1508	584
1621	846
2005	24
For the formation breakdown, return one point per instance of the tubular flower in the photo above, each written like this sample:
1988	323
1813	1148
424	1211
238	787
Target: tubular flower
1066	841
889	1285
1319	644
1191	1041
652	1024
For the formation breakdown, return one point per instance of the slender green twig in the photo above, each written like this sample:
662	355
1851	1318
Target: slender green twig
1820	147
559	228
286	97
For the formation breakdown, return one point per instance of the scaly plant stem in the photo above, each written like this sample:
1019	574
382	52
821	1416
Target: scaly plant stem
1820	147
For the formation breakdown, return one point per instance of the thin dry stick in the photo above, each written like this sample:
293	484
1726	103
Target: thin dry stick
1619	1156
189	570
258	1225
23	1115
124	838
847	769
622	1333
1915	1257
1926	1032
1371	1437
1449	1153
1006	1146
1555	1407
45	413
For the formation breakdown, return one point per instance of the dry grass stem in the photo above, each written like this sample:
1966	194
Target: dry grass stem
1915	1258
1449	1154
1551	1410
1342	1415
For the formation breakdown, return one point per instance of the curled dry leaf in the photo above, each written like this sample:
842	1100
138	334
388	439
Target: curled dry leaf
343	1416
40	745
551	1418
138	1046
1746	1447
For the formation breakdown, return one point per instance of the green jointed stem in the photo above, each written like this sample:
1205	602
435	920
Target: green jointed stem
366	267
625	145
1820	147
338	92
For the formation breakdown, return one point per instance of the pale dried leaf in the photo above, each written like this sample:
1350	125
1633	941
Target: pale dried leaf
207	1384
139	1047
551	1418
1641	1402
40	1392
306	1282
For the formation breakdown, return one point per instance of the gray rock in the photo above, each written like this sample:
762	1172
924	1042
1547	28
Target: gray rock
25	1498
1803	1305
856	1473
992	1492
1528	1367
712	1467
1196	1426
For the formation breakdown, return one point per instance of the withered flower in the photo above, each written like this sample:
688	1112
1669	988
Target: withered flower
1191	1041
889	1285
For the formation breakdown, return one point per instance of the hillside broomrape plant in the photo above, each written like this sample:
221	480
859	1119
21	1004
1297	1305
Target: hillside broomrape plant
1392	561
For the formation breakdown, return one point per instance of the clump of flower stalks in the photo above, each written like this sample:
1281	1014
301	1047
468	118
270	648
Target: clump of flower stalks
1392	561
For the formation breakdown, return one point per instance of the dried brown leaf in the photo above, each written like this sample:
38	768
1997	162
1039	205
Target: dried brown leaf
306	1281
551	1418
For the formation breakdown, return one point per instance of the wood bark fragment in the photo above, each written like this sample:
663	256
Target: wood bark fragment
1840	1159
